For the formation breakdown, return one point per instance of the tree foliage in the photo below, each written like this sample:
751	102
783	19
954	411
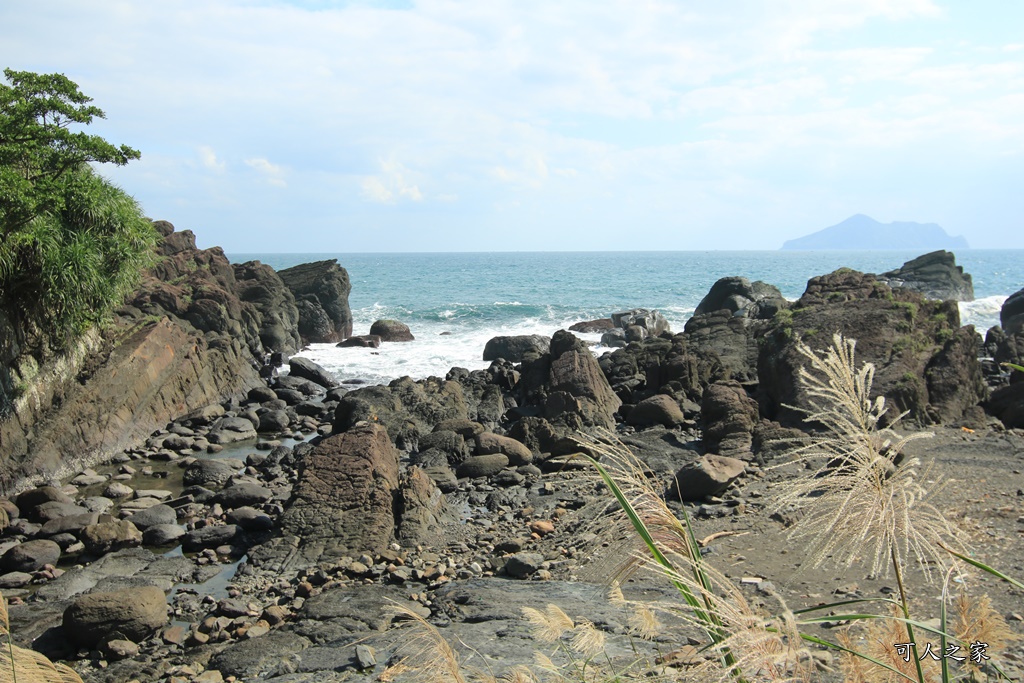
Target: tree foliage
71	243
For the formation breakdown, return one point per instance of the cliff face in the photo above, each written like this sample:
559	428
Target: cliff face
195	332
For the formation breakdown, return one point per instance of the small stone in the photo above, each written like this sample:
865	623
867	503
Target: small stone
365	657
542	527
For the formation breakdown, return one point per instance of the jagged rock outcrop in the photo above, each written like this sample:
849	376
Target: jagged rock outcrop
568	385
259	285
728	321
321	292
729	416
408	409
657	365
899	331
936	275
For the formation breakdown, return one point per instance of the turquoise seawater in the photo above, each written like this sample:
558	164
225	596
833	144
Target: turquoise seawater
455	302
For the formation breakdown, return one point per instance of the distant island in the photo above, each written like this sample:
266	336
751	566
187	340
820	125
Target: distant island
865	233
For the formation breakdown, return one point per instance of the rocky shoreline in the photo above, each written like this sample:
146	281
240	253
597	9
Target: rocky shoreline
461	499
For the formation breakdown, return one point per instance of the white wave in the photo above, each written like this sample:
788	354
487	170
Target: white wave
983	313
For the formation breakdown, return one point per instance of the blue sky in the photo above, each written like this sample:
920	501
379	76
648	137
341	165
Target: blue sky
518	125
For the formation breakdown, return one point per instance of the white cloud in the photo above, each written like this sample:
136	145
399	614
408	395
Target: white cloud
392	185
209	159
272	173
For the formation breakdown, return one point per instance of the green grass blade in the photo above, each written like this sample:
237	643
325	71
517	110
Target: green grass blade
832	605
984	567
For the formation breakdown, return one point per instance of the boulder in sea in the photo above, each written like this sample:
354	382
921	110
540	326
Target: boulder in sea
936	275
259	285
515	347
371	341
592	326
652	321
321	292
391	331
307	369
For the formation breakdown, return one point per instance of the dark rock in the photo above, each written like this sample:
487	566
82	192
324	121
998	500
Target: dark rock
303	386
575	372
451	444
250	519
54	510
1011	315
516	452
134	613
935	275
729	416
343	502
274	421
391	331
261	394
593	326
162	534
158	514
463	426
707	476
741	297
242	494
615	338
260	286
954	378
209	537
1007	403
307	369
30	556
406	408
481	466
652	321
71	524
897	330
522	565
321	292
514	348
658	409
28	501
208	472
371	341
230	430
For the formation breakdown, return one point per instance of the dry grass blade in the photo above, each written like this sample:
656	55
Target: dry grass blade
863	495
426	653
548	626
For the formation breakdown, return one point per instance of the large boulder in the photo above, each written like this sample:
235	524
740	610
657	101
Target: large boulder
391	331
422	510
307	369
1011	315
935	275
30	556
134	613
659	409
116	534
344	500
741	297
899	331
514	348
709	475
321	292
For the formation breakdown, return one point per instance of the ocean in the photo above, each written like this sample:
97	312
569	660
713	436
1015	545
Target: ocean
454	302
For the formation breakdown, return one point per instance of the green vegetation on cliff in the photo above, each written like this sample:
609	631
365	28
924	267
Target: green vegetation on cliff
71	244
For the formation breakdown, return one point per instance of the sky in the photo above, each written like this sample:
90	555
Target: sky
523	125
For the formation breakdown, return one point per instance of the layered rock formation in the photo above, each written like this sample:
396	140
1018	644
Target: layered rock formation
321	292
935	275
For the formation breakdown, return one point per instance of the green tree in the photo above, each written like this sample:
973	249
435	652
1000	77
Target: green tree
71	243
